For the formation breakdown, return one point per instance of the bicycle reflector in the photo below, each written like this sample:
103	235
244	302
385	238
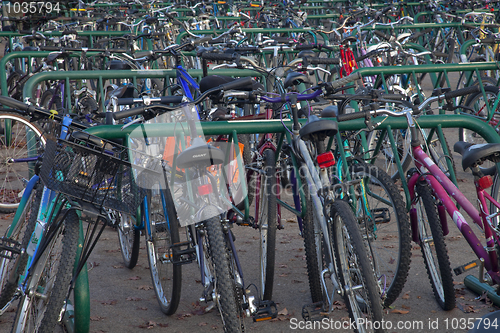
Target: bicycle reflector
205	189
325	160
485	182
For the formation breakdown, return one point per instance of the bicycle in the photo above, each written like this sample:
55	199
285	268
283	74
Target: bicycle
431	192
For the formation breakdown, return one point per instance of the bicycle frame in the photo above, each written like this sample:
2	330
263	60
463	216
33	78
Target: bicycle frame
443	188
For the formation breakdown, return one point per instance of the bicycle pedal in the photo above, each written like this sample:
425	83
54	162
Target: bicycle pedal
464	268
314	311
267	310
381	215
182	253
9	245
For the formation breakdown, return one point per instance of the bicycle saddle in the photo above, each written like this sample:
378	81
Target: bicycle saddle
295	78
320	127
212	81
202	155
306	53
58	55
474	154
118	64
330	111
30	48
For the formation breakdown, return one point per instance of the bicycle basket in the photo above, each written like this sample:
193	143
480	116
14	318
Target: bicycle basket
93	170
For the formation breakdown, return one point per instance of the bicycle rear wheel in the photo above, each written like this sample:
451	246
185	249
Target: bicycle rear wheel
163	233
48	284
267	213
359	285
433	248
20	140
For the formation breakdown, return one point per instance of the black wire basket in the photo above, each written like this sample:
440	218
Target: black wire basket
91	169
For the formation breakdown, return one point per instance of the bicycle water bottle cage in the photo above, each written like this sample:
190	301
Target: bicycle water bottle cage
295	78
322	128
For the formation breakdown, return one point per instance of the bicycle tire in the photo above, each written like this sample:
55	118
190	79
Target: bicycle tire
433	247
52	275
25	139
312	248
13	80
386	228
354	267
224	284
129	238
22	232
164	229
267	224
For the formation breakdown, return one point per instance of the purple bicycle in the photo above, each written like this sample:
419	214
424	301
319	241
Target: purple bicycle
431	193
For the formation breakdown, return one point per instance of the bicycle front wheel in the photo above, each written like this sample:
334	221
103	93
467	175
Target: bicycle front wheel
47	287
359	285
20	143
130	239
163	232
434	249
384	222
20	232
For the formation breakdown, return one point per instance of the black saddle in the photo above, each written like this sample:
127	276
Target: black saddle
330	111
320	127
201	156
212	81
475	154
119	65
295	78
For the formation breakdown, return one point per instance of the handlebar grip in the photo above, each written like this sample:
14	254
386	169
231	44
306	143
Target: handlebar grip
382	35
129	113
306	46
241	83
353	115
462	92
219	56
490	40
247	49
324	61
342	82
13	103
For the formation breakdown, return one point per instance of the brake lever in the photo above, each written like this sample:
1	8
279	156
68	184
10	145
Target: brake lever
135	121
233	65
318	68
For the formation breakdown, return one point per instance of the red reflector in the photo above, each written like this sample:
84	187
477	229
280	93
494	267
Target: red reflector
326	160
485	181
205	189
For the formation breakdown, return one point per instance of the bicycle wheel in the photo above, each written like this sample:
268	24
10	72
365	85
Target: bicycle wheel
130	239
360	289
21	232
475	106
267	213
19	141
312	247
384	222
48	284
434	249
164	232
217	255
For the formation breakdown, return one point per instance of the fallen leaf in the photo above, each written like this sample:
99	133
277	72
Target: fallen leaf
297	281
142	308
145	287
118	266
405	307
283	312
135	299
406	296
283	266
400	311
96	318
134	278
202	324
457	283
110	302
